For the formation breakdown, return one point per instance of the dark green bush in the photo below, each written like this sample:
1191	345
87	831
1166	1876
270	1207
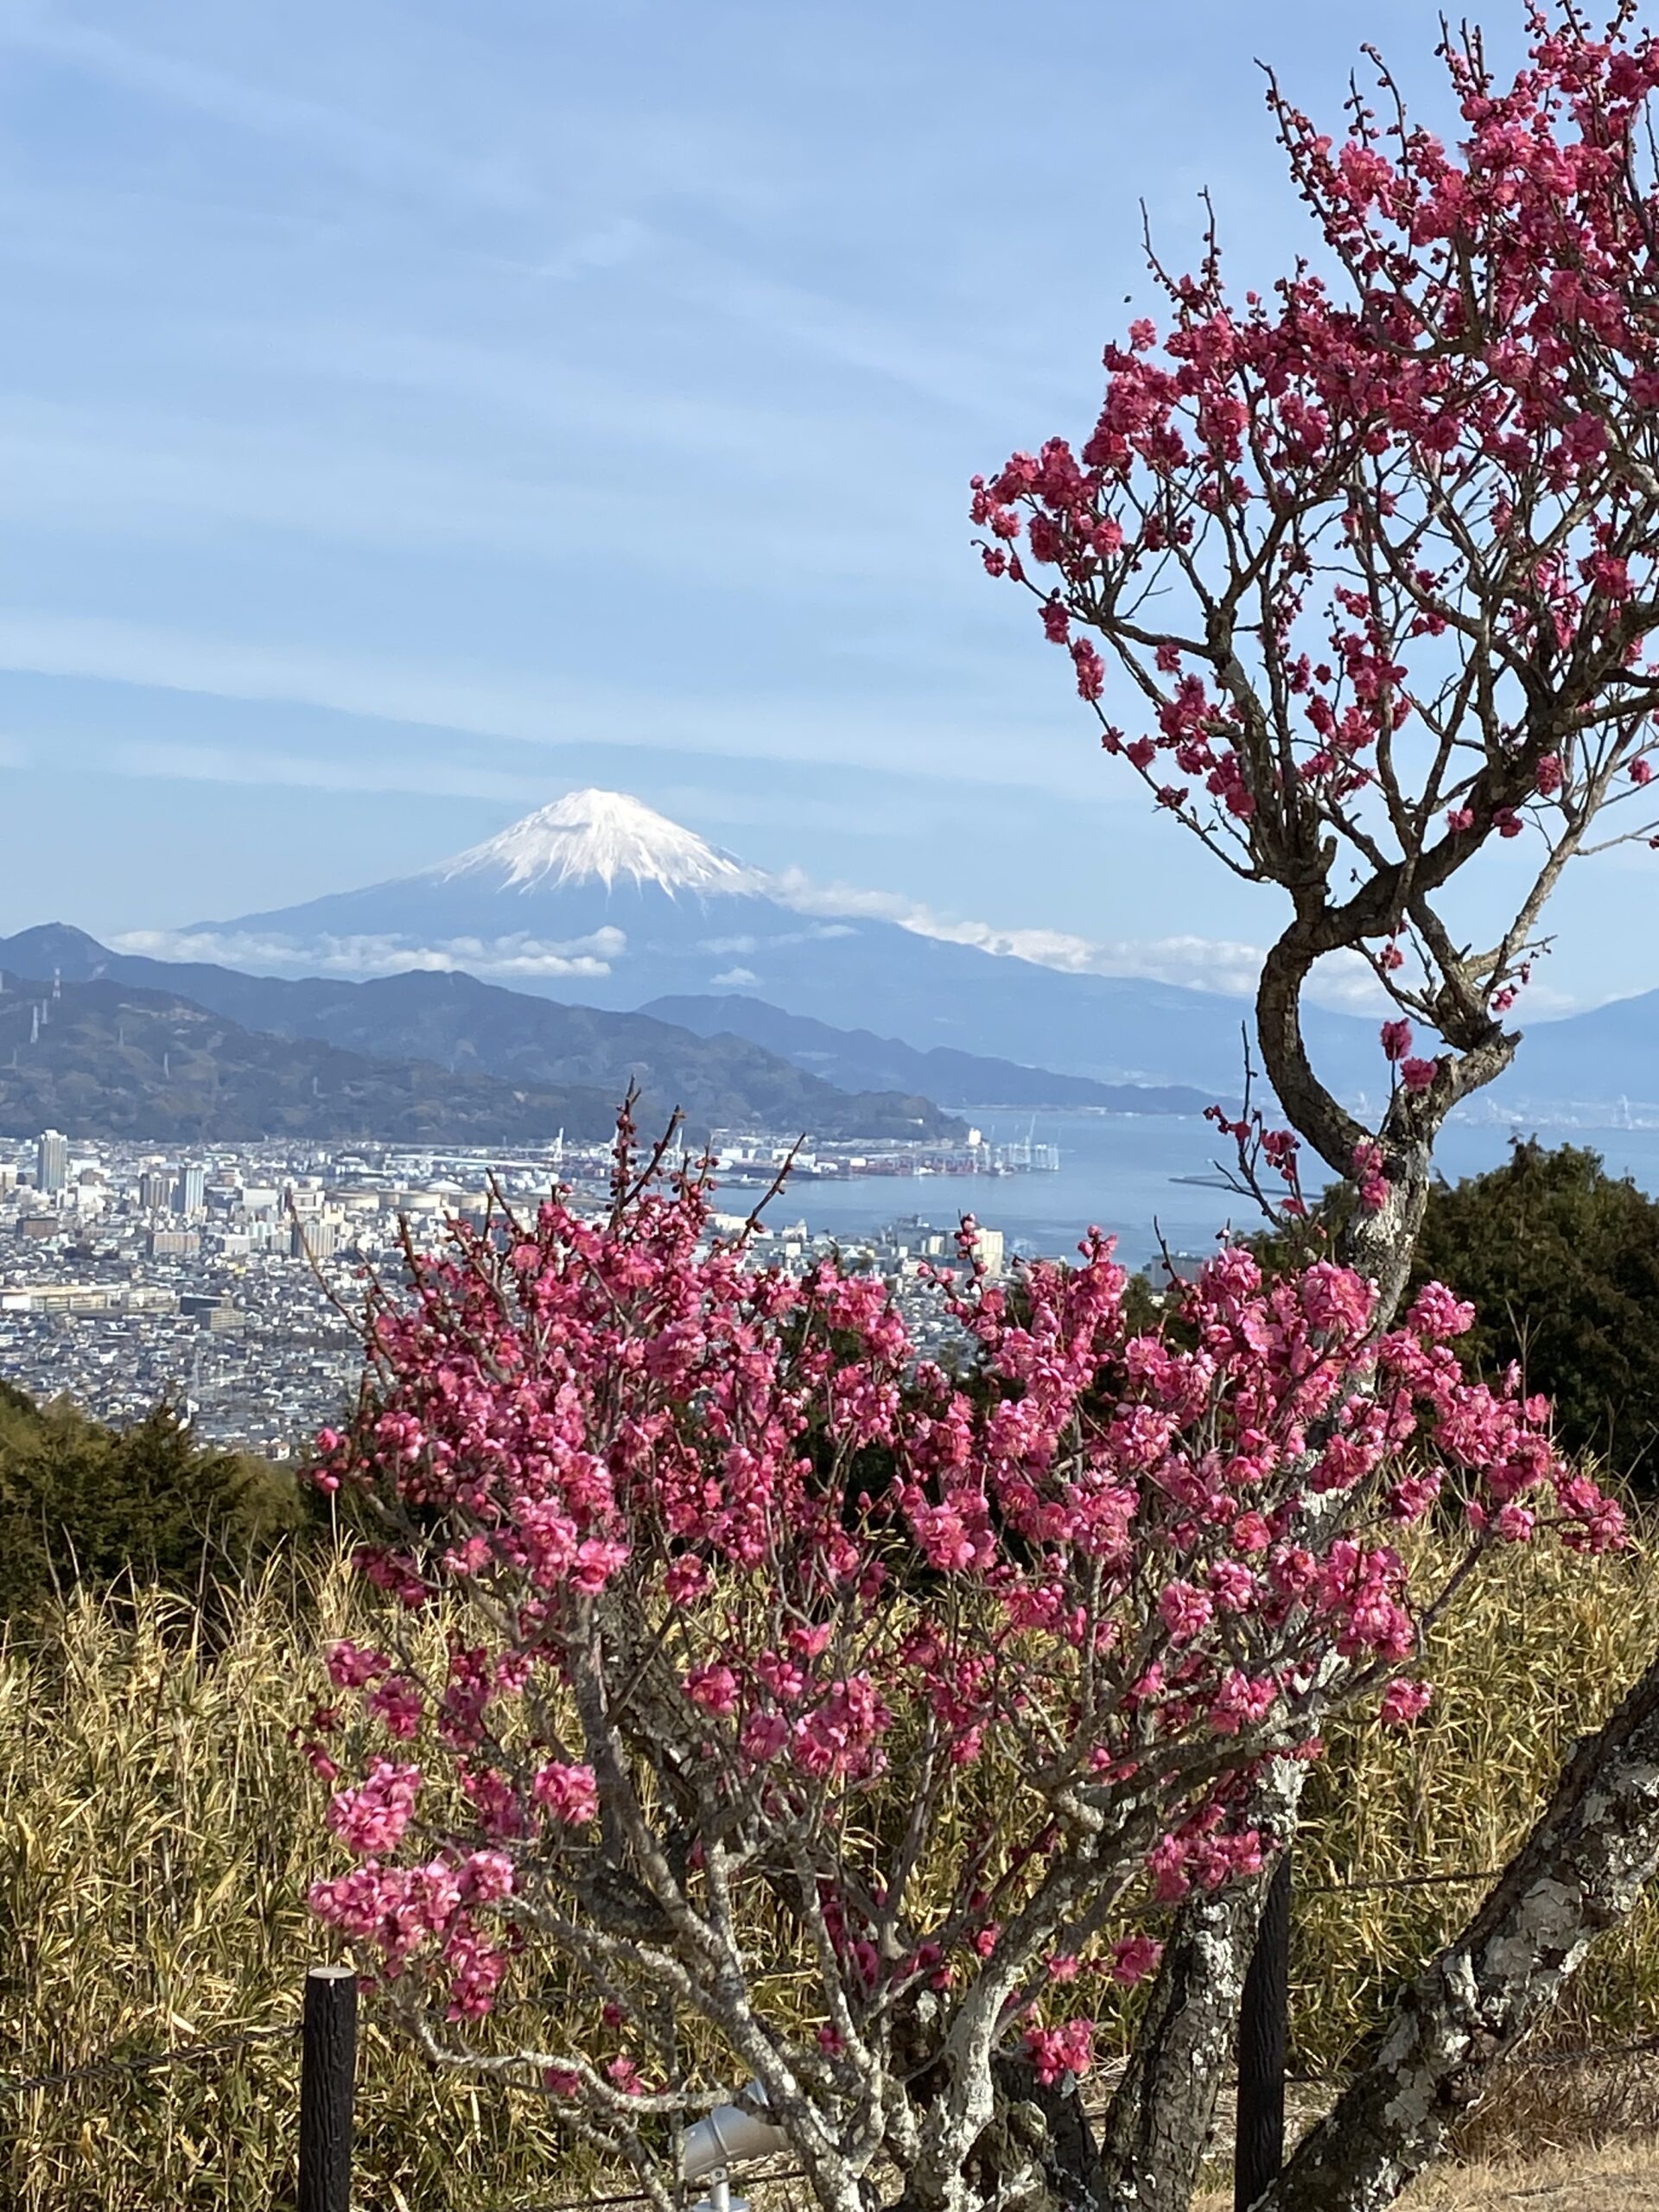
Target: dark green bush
1560	1261
82	1502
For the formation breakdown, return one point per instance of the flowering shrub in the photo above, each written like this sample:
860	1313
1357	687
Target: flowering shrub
1359	575
1421	398
767	1636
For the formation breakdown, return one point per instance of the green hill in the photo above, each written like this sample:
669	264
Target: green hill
457	1023
106	1059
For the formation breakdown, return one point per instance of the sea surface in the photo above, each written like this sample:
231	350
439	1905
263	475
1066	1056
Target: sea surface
1120	1172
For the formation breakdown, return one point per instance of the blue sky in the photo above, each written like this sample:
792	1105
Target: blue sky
408	412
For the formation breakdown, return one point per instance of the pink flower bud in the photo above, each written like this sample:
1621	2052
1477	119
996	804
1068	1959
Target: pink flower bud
1404	1701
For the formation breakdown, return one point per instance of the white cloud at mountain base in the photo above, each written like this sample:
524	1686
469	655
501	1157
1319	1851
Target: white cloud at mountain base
1228	967
502	957
1191	963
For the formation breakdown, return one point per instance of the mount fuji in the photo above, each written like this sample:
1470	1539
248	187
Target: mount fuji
598	899
595	891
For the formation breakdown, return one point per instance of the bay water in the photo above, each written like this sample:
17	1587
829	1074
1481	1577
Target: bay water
1122	1173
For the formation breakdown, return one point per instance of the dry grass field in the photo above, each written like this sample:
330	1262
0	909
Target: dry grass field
1616	2178
157	1831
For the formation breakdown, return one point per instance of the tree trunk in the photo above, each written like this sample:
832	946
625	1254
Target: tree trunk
1381	1244
1157	2126
1039	2153
1582	1869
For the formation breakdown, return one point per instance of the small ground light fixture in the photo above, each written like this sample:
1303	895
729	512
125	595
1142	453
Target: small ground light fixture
722	2138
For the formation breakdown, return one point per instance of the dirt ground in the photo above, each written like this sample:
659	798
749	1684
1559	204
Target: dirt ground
1622	2177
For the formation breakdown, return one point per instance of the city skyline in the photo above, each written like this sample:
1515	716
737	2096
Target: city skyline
221	1277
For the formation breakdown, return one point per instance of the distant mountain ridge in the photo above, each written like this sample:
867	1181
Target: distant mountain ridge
112	1060
598	898
606	912
1604	1057
467	1026
728	1059
856	1059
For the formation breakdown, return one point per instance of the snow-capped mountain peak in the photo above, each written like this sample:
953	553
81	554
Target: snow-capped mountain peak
597	836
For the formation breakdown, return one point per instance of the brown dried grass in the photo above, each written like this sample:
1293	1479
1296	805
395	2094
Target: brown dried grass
156	1834
1622	2177
1536	1654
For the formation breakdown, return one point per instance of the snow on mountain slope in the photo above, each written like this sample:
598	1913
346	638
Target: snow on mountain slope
569	895
599	836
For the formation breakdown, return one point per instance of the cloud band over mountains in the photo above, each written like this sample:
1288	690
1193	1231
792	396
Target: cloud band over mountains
1187	961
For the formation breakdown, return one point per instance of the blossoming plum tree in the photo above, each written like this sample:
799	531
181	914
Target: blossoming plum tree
1367	567
1359	575
814	1716
757	1701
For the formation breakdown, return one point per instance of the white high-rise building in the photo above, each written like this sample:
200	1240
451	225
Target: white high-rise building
51	1161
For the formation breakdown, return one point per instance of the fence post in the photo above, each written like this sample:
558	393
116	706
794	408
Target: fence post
1263	2048
328	2082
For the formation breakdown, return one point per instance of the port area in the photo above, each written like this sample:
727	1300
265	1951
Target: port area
747	1158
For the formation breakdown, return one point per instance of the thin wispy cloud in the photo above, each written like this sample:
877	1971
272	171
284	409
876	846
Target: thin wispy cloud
355	143
526	709
522	958
623	238
517	383
207	764
841	331
153	475
1196	963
